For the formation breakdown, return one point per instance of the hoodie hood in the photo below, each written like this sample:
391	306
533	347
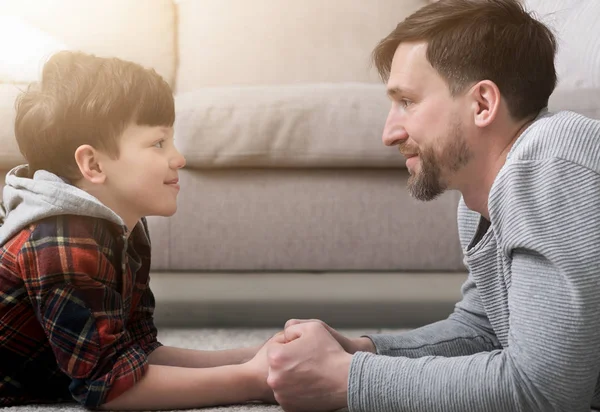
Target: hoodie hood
28	200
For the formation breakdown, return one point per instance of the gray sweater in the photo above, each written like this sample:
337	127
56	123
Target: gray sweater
526	334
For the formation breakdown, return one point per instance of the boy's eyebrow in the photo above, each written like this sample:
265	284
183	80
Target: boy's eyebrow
168	131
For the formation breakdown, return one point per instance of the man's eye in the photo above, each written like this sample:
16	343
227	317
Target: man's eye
159	144
405	103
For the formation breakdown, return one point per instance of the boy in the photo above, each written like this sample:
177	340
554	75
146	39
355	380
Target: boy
75	305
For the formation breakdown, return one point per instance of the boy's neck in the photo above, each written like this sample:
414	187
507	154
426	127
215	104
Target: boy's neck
129	219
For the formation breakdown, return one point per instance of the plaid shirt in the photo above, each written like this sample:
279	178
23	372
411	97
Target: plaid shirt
75	311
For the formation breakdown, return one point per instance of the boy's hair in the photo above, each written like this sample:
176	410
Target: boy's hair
84	99
473	40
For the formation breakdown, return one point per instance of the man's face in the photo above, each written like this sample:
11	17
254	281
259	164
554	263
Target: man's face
425	122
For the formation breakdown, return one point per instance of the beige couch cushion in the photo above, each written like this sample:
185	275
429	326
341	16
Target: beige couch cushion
309	219
316	125
242	42
138	30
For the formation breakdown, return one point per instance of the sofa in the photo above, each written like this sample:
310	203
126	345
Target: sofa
290	206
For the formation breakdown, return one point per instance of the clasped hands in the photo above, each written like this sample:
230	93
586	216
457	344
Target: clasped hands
306	366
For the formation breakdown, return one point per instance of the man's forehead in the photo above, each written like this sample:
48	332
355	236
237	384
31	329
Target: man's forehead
410	68
409	57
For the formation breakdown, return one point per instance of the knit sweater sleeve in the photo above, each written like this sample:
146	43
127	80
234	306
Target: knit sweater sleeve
545	213
466	331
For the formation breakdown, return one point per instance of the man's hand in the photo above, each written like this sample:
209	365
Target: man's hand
310	371
350	345
258	368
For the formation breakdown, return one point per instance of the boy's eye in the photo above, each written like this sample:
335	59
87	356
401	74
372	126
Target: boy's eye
159	144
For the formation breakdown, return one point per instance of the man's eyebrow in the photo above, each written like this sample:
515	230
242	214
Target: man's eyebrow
397	91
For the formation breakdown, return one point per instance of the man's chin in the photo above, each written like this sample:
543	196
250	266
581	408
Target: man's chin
423	192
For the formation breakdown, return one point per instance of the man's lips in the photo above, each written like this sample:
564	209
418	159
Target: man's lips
407	151
409	155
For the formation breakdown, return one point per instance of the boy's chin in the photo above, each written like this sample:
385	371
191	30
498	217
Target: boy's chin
165	212
170	213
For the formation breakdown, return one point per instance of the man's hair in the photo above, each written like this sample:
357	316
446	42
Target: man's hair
84	99
473	40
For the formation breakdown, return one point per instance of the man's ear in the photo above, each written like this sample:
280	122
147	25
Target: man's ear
486	100
90	165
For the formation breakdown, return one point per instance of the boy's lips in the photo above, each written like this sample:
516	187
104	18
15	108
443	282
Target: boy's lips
173	183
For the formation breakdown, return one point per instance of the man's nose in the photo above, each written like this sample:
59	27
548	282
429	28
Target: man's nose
394	135
393	132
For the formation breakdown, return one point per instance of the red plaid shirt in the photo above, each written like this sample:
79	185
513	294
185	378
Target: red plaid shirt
75	311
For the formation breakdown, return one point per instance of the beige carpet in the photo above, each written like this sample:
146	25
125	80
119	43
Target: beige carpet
199	339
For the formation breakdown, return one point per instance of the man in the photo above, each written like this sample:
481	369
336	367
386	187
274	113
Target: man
469	82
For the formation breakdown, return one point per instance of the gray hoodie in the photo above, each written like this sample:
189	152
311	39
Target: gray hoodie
28	200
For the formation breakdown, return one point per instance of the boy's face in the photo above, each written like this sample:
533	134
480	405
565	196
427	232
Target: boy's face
143	180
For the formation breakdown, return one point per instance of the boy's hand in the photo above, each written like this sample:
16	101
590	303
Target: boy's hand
351	346
258	370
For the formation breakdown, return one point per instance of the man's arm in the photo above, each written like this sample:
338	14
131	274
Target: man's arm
465	332
551	233
552	240
547	366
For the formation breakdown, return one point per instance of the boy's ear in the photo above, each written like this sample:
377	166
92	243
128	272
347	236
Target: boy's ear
89	162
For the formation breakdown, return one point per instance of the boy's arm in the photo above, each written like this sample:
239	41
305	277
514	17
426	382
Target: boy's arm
190	358
141	324
167	387
144	333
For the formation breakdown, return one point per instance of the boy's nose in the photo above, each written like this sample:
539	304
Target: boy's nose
178	161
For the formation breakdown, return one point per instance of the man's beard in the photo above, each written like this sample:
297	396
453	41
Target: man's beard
428	183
